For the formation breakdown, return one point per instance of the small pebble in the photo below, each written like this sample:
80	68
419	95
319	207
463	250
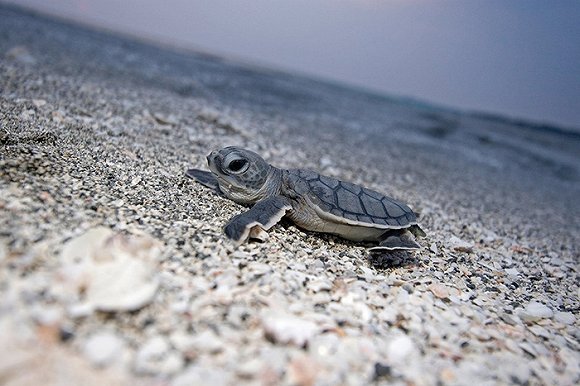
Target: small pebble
433	248
439	290
104	348
319	285
567	318
381	370
535	311
156	357
207	341
288	329
202	375
512	271
250	369
399	349
460	245
302	371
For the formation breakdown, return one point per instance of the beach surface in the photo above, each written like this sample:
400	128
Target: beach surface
114	268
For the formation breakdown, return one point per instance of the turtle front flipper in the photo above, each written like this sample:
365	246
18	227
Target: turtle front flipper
264	214
205	178
396	239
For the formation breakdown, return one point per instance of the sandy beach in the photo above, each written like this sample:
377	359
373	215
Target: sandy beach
115	268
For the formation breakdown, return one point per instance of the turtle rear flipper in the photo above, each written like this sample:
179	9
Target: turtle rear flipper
396	239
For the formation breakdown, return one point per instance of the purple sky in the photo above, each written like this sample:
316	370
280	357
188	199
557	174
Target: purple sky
518	58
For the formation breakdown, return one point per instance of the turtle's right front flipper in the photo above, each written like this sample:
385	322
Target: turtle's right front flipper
264	215
205	178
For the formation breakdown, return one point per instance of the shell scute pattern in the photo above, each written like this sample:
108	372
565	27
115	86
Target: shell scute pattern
352	201
364	218
330	182
300	184
393	210
356	189
327	196
337	212
391	221
376	207
376	195
348	201
350	215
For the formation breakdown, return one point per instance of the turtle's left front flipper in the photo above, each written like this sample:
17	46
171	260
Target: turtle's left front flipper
205	178
264	215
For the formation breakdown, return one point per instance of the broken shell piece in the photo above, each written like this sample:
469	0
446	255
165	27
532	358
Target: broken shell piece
111	272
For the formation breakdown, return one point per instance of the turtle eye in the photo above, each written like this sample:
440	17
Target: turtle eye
238	165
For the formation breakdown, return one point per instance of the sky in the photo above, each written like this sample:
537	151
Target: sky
509	57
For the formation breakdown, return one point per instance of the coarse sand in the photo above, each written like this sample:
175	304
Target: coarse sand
114	268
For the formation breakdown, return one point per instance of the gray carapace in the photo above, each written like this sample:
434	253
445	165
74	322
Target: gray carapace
312	201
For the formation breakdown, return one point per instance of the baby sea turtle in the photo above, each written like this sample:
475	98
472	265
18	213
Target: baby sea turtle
312	201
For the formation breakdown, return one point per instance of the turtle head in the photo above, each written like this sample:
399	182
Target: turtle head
243	175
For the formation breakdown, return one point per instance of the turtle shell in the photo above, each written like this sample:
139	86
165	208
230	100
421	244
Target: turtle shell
360	205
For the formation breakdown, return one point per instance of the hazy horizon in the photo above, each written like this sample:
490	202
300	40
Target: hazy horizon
518	59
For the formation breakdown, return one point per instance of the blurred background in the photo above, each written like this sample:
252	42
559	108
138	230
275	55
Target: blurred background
520	59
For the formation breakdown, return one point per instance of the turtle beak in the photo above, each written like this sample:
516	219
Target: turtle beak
211	157
213	161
